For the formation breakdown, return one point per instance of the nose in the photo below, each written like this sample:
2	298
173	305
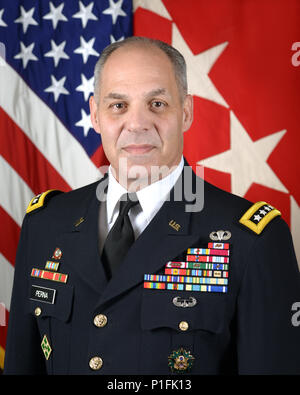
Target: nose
138	119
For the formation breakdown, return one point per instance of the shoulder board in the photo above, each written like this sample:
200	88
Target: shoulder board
41	200
258	216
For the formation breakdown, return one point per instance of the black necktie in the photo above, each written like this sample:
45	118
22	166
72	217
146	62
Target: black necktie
120	237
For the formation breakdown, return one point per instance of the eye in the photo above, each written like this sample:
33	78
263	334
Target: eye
158	105
118	106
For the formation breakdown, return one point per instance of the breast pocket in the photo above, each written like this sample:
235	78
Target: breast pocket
179	339
51	305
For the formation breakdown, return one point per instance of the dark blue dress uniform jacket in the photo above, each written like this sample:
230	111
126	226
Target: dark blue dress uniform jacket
247	330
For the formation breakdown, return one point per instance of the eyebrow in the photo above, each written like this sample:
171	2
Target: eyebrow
121	96
157	92
117	96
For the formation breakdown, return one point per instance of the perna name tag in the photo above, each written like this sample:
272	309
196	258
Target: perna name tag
42	294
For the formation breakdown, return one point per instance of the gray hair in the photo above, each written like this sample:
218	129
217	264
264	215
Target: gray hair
173	54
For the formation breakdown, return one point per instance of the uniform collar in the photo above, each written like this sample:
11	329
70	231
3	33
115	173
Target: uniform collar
151	198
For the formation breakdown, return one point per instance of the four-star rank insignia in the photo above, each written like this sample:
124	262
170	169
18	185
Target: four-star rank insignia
258	216
41	200
180	361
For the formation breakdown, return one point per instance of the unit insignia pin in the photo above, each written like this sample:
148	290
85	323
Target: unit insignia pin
220	235
180	361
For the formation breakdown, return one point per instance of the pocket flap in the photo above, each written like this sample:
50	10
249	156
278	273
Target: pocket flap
158	310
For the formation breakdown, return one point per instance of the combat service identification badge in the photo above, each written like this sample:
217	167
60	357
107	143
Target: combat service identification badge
46	347
180	361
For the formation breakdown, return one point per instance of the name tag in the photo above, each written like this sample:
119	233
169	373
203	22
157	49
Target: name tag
42	294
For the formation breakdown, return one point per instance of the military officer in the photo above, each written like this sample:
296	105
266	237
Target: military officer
130	275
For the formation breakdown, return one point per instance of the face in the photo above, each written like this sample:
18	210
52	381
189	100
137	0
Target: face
140	114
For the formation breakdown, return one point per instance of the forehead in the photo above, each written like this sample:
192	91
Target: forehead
138	67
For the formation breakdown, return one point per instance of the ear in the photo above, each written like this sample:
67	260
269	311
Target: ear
94	114
188	111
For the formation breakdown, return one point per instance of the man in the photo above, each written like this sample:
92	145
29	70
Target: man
131	275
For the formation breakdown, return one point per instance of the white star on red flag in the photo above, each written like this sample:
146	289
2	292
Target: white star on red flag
246	160
198	67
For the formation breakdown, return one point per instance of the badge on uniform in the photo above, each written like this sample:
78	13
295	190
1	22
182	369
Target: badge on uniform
52	266
46	347
180	361
181	302
204	269
57	254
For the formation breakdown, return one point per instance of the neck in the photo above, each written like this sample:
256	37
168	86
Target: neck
139	177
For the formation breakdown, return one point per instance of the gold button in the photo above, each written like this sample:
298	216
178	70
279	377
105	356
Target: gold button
38	311
183	325
96	363
100	320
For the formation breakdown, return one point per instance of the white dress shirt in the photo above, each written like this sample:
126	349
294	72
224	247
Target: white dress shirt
151	198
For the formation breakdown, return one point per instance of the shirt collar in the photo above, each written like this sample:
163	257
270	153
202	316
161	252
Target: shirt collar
150	198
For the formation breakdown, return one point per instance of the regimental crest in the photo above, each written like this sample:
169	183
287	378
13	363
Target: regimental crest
180	361
57	254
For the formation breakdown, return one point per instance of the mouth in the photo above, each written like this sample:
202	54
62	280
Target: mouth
138	149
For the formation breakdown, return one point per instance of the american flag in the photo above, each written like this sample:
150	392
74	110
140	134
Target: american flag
46	78
243	61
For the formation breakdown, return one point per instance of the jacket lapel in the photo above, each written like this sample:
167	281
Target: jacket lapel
170	233
80	242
